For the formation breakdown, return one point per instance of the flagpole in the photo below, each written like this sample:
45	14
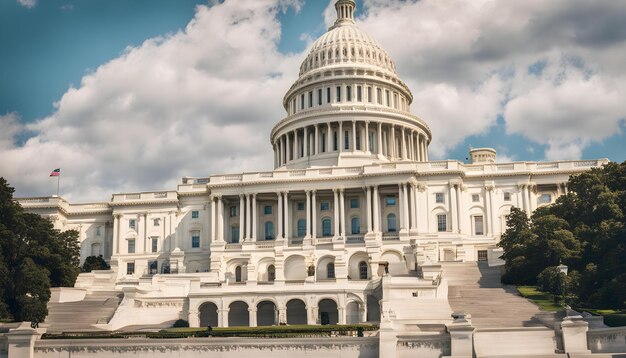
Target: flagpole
58	183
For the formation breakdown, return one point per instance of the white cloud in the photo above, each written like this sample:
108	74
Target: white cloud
10	127
28	3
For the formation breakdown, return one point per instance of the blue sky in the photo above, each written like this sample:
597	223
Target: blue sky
476	82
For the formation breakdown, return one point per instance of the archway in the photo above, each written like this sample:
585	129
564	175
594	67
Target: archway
397	265
208	314
266	313
373	309
328	313
295	268
238	314
296	312
352	313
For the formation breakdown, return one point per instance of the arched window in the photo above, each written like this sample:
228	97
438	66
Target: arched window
238	274
301	228
362	270
356	225
269	230
330	270
326	227
271	273
391	223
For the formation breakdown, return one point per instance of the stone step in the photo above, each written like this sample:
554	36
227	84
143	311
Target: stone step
96	307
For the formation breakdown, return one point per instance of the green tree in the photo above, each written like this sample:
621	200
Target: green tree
94	263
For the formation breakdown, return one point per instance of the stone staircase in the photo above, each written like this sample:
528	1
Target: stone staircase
96	307
475	288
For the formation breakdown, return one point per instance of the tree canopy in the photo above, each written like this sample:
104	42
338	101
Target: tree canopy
33	257
585	230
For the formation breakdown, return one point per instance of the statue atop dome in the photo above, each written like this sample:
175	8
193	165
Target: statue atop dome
345	13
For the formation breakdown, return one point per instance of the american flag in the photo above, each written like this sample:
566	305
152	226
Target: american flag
56	172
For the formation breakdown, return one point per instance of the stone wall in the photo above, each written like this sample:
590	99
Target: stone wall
607	340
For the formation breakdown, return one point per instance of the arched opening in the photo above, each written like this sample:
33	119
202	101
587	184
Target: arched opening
295	268
269	231
326	225
238	274
266	313
330	270
271	273
363	270
355	224
301	228
397	265
296	312
208	314
352	313
373	309
328	313
238	314
391	223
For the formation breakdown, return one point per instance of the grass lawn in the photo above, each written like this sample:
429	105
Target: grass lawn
544	300
612	318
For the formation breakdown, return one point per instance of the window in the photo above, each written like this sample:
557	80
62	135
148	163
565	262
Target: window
475	198
371	142
362	270
153	267
348	93
359	94
346	140
439	198
478	225
302	101
132	223
355	225
338	94
391	223
195	239
293	106
388	98
324	206
300	205
310	99
301	228
195	214
379	96
269	230
354	203
390	201
507	196
233	211
330	270
271	273
358	140
156	222
155	244
234	234
131	246
98	228
395	100
326	227
545	199
369	95
335	146
323	142
130	268
442	224
328	95
267	210
482	255
319	97
238	274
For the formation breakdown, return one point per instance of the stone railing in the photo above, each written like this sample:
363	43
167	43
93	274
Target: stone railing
150	196
607	340
234	246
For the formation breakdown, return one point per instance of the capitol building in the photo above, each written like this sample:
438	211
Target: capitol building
350	226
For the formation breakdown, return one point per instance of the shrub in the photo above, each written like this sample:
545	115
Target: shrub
180	323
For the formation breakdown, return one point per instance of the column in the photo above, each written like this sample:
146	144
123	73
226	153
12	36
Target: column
279	214
353	147
393	141
409	144
403	154
419	148
368	206
531	207
405	205
213	217
220	218
457	190
491	213
413	200
340	135
376	201
242	227
254	220
306	143
342	315
296	145
336	211
314	216
116	234
329	143
287	222
287	151
222	317
425	150
317	139
342	218
144	217
252	316
367	137
522	189
400	207
452	208
248	217
380	138
308	215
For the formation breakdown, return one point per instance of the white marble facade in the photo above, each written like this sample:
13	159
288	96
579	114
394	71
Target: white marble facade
352	191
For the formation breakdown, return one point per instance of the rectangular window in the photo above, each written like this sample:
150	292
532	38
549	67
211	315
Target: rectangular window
442	225
475	198
359	94
379	95
346	140
195	239
371	142
130	268
319	97
507	196
338	94
349	93
310	99
267	210
98	233
478	225
395	100
482	255
300	206
358	140
131	246
156	222
390	201
132	224
388	95
369	95
354	203
324	206
335	146
155	244
302	101
439	198
195	214
545	199
234	212
328	95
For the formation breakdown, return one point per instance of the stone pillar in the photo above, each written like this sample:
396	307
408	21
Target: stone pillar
452	208
367	137
254	218
242	227
340	137
222	317
329	143
574	330
403	154
248	222
144	218
405	205
380	138
220	218
342	315
459	220
308	215
393	141
336	212
213	219
287	222
288	152
368	205
279	214
342	214
21	341
252	316
461	336
353	147
376	200
413	190
305	150
400	207
116	234
314	215
283	149
311	315
531	206
522	191
296	145
193	318
317	139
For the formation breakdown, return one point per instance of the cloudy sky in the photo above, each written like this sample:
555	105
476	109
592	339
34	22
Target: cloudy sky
132	95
